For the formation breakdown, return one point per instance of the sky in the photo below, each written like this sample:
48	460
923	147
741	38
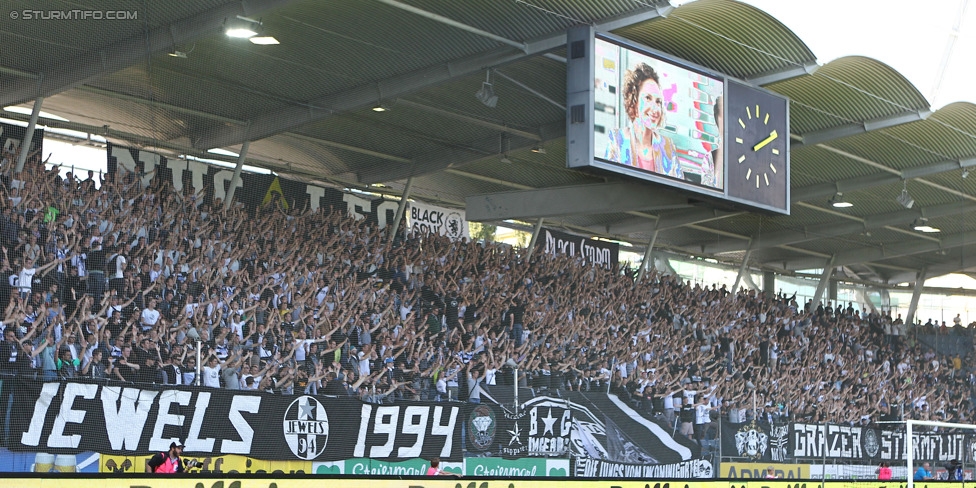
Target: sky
907	35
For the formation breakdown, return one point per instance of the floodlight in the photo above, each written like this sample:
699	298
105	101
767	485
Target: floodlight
539	150
264	40
838	201
486	94
921	224
240	33
905	199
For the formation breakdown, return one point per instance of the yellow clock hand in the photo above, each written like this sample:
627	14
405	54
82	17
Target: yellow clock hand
772	137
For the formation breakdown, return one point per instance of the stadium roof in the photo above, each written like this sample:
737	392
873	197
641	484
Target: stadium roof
171	81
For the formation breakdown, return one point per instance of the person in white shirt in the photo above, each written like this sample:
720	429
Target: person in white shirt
25	278
211	373
150	316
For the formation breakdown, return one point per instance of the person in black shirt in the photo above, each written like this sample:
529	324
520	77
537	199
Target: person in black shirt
516	315
126	369
451	310
687	416
13	359
96	271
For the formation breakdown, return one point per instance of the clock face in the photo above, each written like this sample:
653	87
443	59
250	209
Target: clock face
757	146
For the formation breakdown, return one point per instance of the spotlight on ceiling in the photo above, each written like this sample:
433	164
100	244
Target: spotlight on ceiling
965	173
177	54
838	201
241	27
904	198
264	40
539	150
486	94
921	224
240	33
383	106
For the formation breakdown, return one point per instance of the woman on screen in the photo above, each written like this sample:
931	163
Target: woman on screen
642	144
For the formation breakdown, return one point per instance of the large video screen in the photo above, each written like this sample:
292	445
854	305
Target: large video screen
657	117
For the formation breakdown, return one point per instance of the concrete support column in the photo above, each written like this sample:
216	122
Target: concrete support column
401	208
535	237
742	270
236	180
29	135
916	295
769	283
822	286
648	260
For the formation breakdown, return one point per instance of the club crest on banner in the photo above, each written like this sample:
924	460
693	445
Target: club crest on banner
751	441
306	427
481	427
872	443
453	226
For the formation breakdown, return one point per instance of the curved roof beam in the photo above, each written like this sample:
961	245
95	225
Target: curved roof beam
846	130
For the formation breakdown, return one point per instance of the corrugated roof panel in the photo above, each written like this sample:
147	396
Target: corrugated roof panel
810	165
727	36
807	118
881	148
950	132
852	89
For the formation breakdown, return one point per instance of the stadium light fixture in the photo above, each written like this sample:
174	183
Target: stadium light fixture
241	27
921	224
904	198
486	94
838	201
264	40
240	33
539	150
383	106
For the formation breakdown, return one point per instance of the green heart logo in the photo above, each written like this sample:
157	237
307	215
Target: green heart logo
323	469
452	470
557	471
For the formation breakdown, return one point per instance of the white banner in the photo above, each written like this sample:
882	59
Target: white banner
430	219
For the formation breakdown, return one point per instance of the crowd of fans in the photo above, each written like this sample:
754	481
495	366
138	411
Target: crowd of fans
110	280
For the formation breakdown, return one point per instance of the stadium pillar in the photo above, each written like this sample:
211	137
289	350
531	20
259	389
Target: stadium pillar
742	270
535	237
29	135
916	295
401	208
236	180
769	283
648	257
822	286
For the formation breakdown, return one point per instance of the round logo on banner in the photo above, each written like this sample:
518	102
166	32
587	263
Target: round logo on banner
306	428
871	442
481	427
452	225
